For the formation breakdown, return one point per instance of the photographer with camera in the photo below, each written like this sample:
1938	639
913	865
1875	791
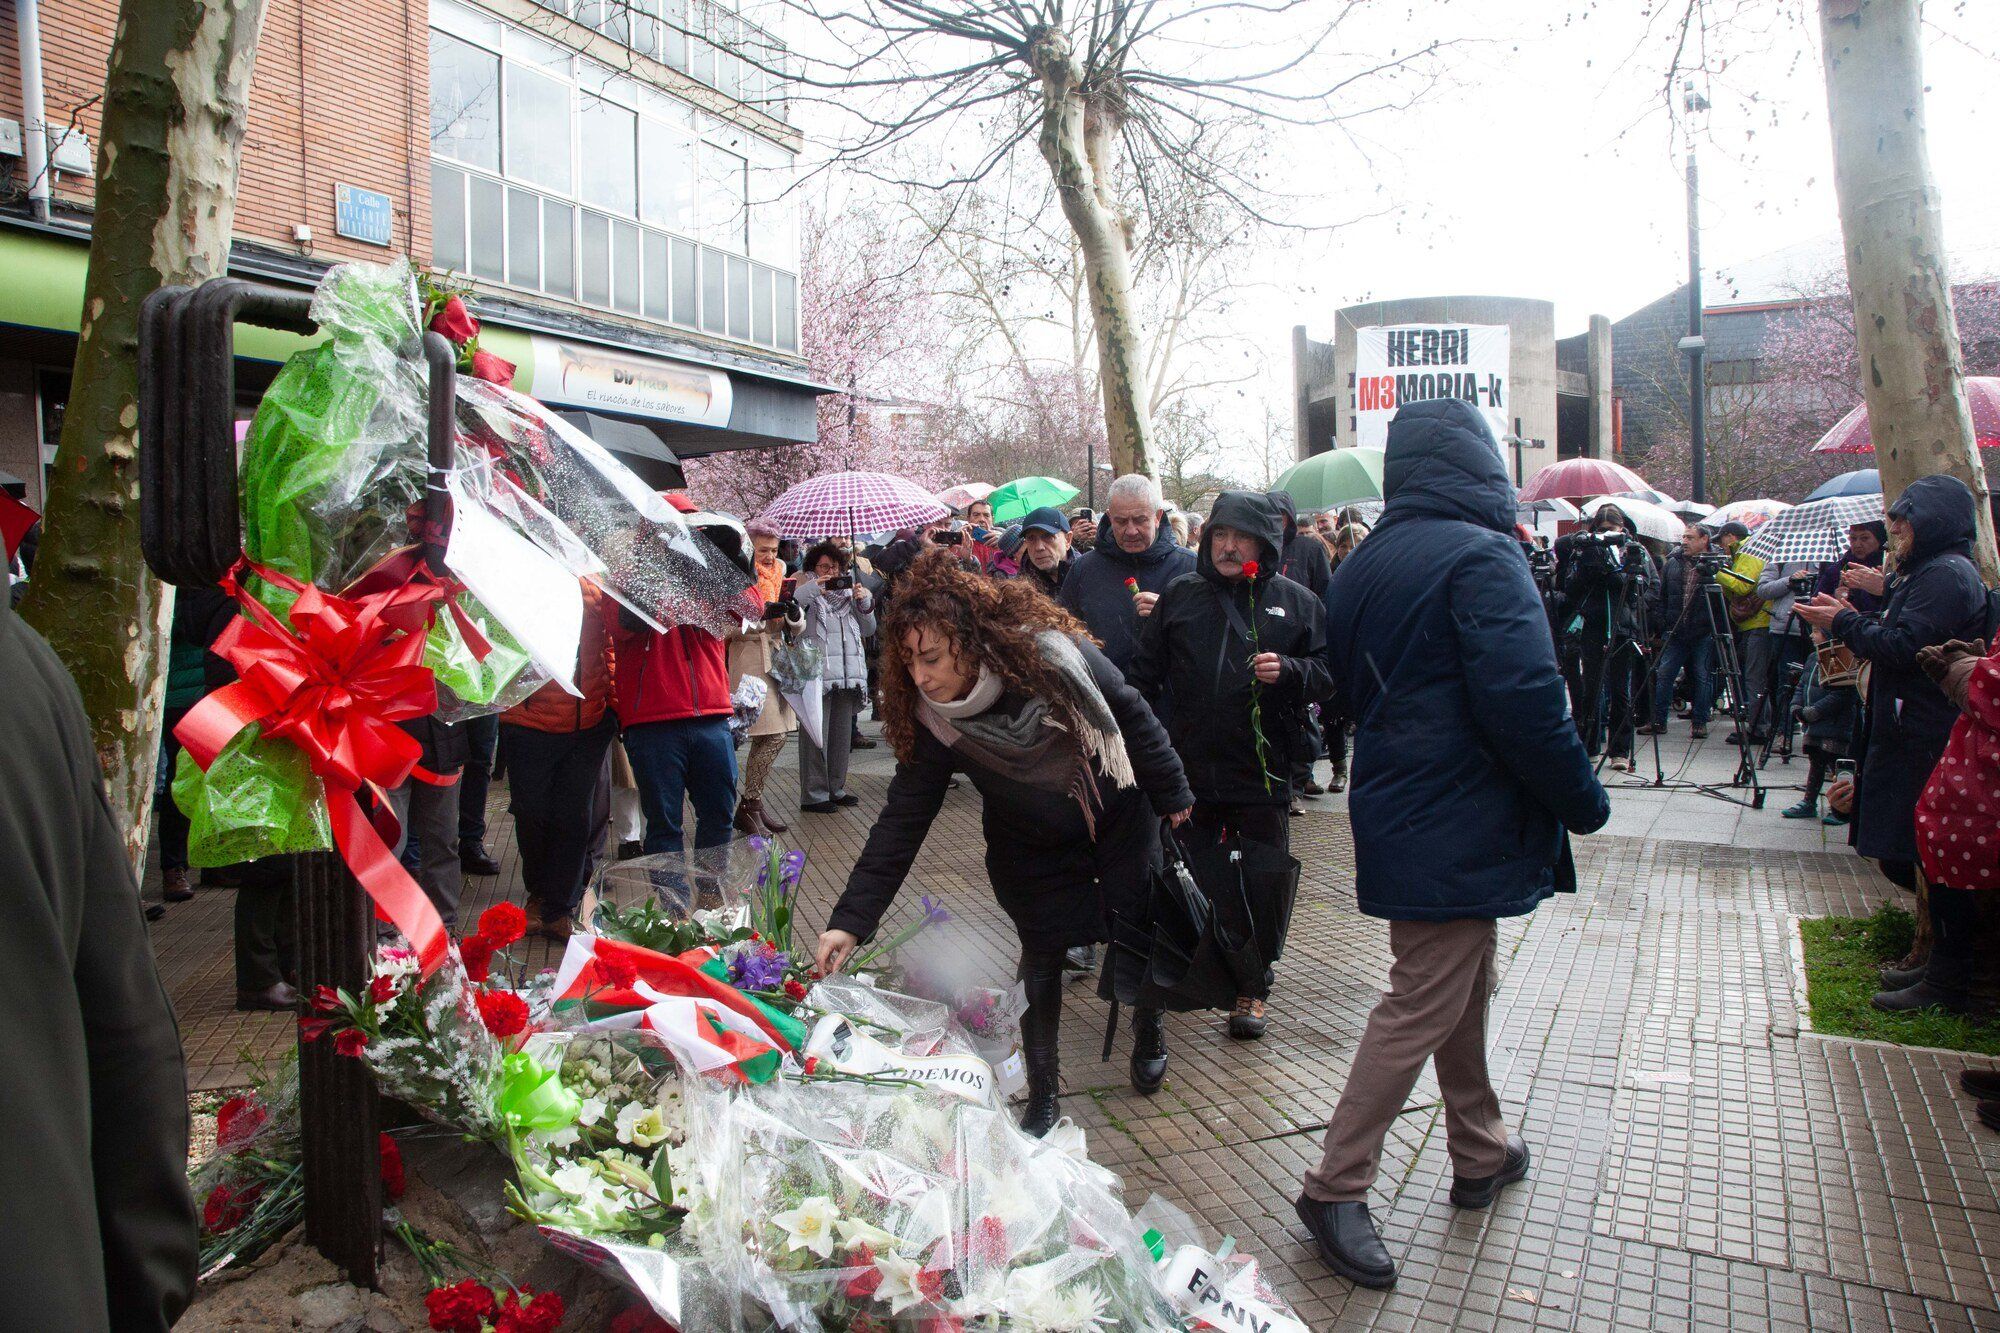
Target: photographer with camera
1687	632
1603	576
1749	617
1789	644
839	615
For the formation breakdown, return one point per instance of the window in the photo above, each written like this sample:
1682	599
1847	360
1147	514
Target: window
447	217
667	175
465	103
538	130
724	180
605	133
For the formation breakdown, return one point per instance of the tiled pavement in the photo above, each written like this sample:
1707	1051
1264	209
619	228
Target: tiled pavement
1703	1160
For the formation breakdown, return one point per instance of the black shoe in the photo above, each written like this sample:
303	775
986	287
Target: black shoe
274	998
631	851
861	743
174	887
1902	978
1247	1022
846	800
1923	993
1478	1191
1348	1242
1981	1083
820	808
474	859
1700	733
1079	962
1989	1115
1311	787
1041	1025
1149	1050
1734	738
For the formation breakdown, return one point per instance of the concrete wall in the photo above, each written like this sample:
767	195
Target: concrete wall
1531	385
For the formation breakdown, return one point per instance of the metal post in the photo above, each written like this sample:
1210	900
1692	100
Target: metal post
34	114
1696	349
1090	472
339	1114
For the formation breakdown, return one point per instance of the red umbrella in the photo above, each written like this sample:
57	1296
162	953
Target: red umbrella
1850	434
1581	478
15	520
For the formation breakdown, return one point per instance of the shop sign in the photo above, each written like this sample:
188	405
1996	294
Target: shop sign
584	375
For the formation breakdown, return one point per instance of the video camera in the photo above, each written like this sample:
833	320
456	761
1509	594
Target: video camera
1802	585
1711	563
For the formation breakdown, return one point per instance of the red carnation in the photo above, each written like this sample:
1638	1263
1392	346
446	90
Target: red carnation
393	1179
312	1029
476	952
1250	568
620	972
351	1041
503	1012
863	1284
460	1308
493	369
812	1065
225	1209
1132	584
638	1319
455	322
794	988
988	1242
236	1120
382	989
503	923
540	1313
327	1000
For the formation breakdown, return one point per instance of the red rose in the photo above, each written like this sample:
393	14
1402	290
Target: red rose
455	322
236	1120
503	923
326	1000
382	989
503	1012
493	369
620	972
794	988
312	1029
225	1209
352	1041
1250	568
476	952
460	1308
393	1179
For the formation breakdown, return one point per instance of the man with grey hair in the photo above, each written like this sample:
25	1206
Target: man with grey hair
1115	585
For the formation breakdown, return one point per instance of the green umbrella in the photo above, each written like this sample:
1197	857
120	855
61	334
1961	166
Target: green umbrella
1332	479
1023	495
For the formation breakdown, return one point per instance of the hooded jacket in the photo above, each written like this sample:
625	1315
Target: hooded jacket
1934	597
99	1224
1303	557
1095	590
1194	656
1468	775
553	708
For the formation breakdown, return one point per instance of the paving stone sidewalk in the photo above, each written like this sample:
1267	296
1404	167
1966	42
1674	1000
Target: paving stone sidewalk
1703	1160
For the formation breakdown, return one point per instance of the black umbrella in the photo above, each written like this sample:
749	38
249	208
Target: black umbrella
637	447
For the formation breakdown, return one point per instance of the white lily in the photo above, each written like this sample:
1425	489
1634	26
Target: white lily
591	1112
810	1226
641	1126
899	1282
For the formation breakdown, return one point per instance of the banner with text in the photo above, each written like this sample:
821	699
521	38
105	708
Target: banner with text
1411	363
572	374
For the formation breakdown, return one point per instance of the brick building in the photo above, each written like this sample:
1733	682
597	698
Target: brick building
611	176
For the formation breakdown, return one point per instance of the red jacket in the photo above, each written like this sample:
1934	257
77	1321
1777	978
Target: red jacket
1958	816
553	708
668	677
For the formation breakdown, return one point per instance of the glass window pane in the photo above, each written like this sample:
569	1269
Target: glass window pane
728	74
463	22
520	46
596	259
605	133
667	192
713	266
761	329
447	218
524	238
538	129
739	299
701	60
625	266
786	301
674	48
656	275
559	269
686	301
487	208
465	102
723	183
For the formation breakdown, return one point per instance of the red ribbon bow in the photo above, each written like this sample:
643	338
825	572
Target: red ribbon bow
335	684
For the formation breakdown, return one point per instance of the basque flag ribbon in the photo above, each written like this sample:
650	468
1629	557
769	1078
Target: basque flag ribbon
334	683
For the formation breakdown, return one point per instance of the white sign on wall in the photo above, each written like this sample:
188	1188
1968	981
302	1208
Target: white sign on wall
584	375
1411	363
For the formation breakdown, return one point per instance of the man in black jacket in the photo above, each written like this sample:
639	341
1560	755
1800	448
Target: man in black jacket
1682	619
1045	555
99	1225
1935	596
1139	550
1236	649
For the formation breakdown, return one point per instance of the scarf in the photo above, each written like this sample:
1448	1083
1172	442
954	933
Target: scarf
771	579
1048	744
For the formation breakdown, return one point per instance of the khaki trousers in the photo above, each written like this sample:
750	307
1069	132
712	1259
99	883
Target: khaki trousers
1435	1007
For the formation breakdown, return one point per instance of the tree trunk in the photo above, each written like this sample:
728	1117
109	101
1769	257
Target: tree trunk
1912	372
1078	140
175	101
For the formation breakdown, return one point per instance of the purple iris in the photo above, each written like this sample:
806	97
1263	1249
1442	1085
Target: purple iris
759	969
760	845
794	868
934	913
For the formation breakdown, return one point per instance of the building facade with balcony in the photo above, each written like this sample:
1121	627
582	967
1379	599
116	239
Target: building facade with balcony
611	178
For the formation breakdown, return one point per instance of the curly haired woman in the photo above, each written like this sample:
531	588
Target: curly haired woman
990	679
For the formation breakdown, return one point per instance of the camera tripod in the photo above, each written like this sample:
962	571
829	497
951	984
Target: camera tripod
1786	690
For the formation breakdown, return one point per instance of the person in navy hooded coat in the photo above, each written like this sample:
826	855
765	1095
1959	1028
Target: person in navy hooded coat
1468	779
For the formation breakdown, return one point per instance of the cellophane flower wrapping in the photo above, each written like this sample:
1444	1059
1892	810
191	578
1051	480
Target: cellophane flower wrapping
427	1045
839	1205
470	686
1212	1285
259	798
591	513
248	1191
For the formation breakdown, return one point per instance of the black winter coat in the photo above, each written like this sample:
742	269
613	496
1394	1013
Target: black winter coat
100	1227
1936	596
1095	590
1674	617
1468	776
1304	558
1047	873
1193	656
1603	588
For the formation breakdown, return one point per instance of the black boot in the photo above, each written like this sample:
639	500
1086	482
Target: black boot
1041	978
1948	978
1149	1050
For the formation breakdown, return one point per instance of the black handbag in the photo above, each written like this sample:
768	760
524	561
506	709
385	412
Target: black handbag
1254	887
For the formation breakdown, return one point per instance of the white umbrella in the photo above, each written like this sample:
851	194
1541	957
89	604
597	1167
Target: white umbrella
1647	519
965	493
1650	496
1689	509
1750	513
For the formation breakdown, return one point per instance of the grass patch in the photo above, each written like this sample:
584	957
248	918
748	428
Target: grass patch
1842	954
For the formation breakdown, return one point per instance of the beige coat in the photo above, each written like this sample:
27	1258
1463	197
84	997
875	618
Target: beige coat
750	655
